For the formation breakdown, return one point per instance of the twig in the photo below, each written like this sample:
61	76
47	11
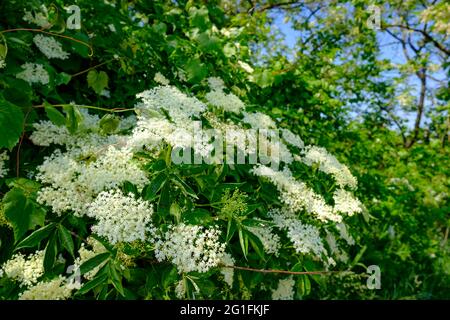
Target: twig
281	271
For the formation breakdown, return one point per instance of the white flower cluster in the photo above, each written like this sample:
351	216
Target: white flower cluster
3	166
228	273
33	73
159	78
258	120
225	101
50	47
305	238
25	269
285	289
178	105
39	18
330	165
296	196
190	247
345	202
292	139
71	183
269	239
121	218
55	289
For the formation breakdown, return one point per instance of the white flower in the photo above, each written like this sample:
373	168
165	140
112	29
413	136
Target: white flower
3	165
258	120
306	238
270	240
190	247
33	73
120	218
159	78
215	83
285	289
55	289
245	66
226	101
228	273
39	18
292	139
330	165
295	195
2	63
50	47
345	202
25	269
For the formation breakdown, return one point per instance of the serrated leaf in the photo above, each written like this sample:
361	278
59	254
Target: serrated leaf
94	262
37	236
11	124
66	239
54	115
98	81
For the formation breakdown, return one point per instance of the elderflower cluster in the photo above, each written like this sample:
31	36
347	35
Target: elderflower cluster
270	240
178	105
159	78
25	269
50	47
39	18
3	165
330	165
225	101
295	195
33	73
292	139
305	238
258	120
285	289
120	218
55	289
190	247
345	202
228	273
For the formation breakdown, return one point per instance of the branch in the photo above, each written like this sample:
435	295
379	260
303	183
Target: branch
427	36
277	5
281	271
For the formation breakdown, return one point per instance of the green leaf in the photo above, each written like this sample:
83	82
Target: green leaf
62	78
22	212
50	253
109	123
256	244
150	191
164	201
195	70
243	240
73	117
66	239
116	279
185	188
97	80
37	236
94	262
198	217
54	115
11	124
88	286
